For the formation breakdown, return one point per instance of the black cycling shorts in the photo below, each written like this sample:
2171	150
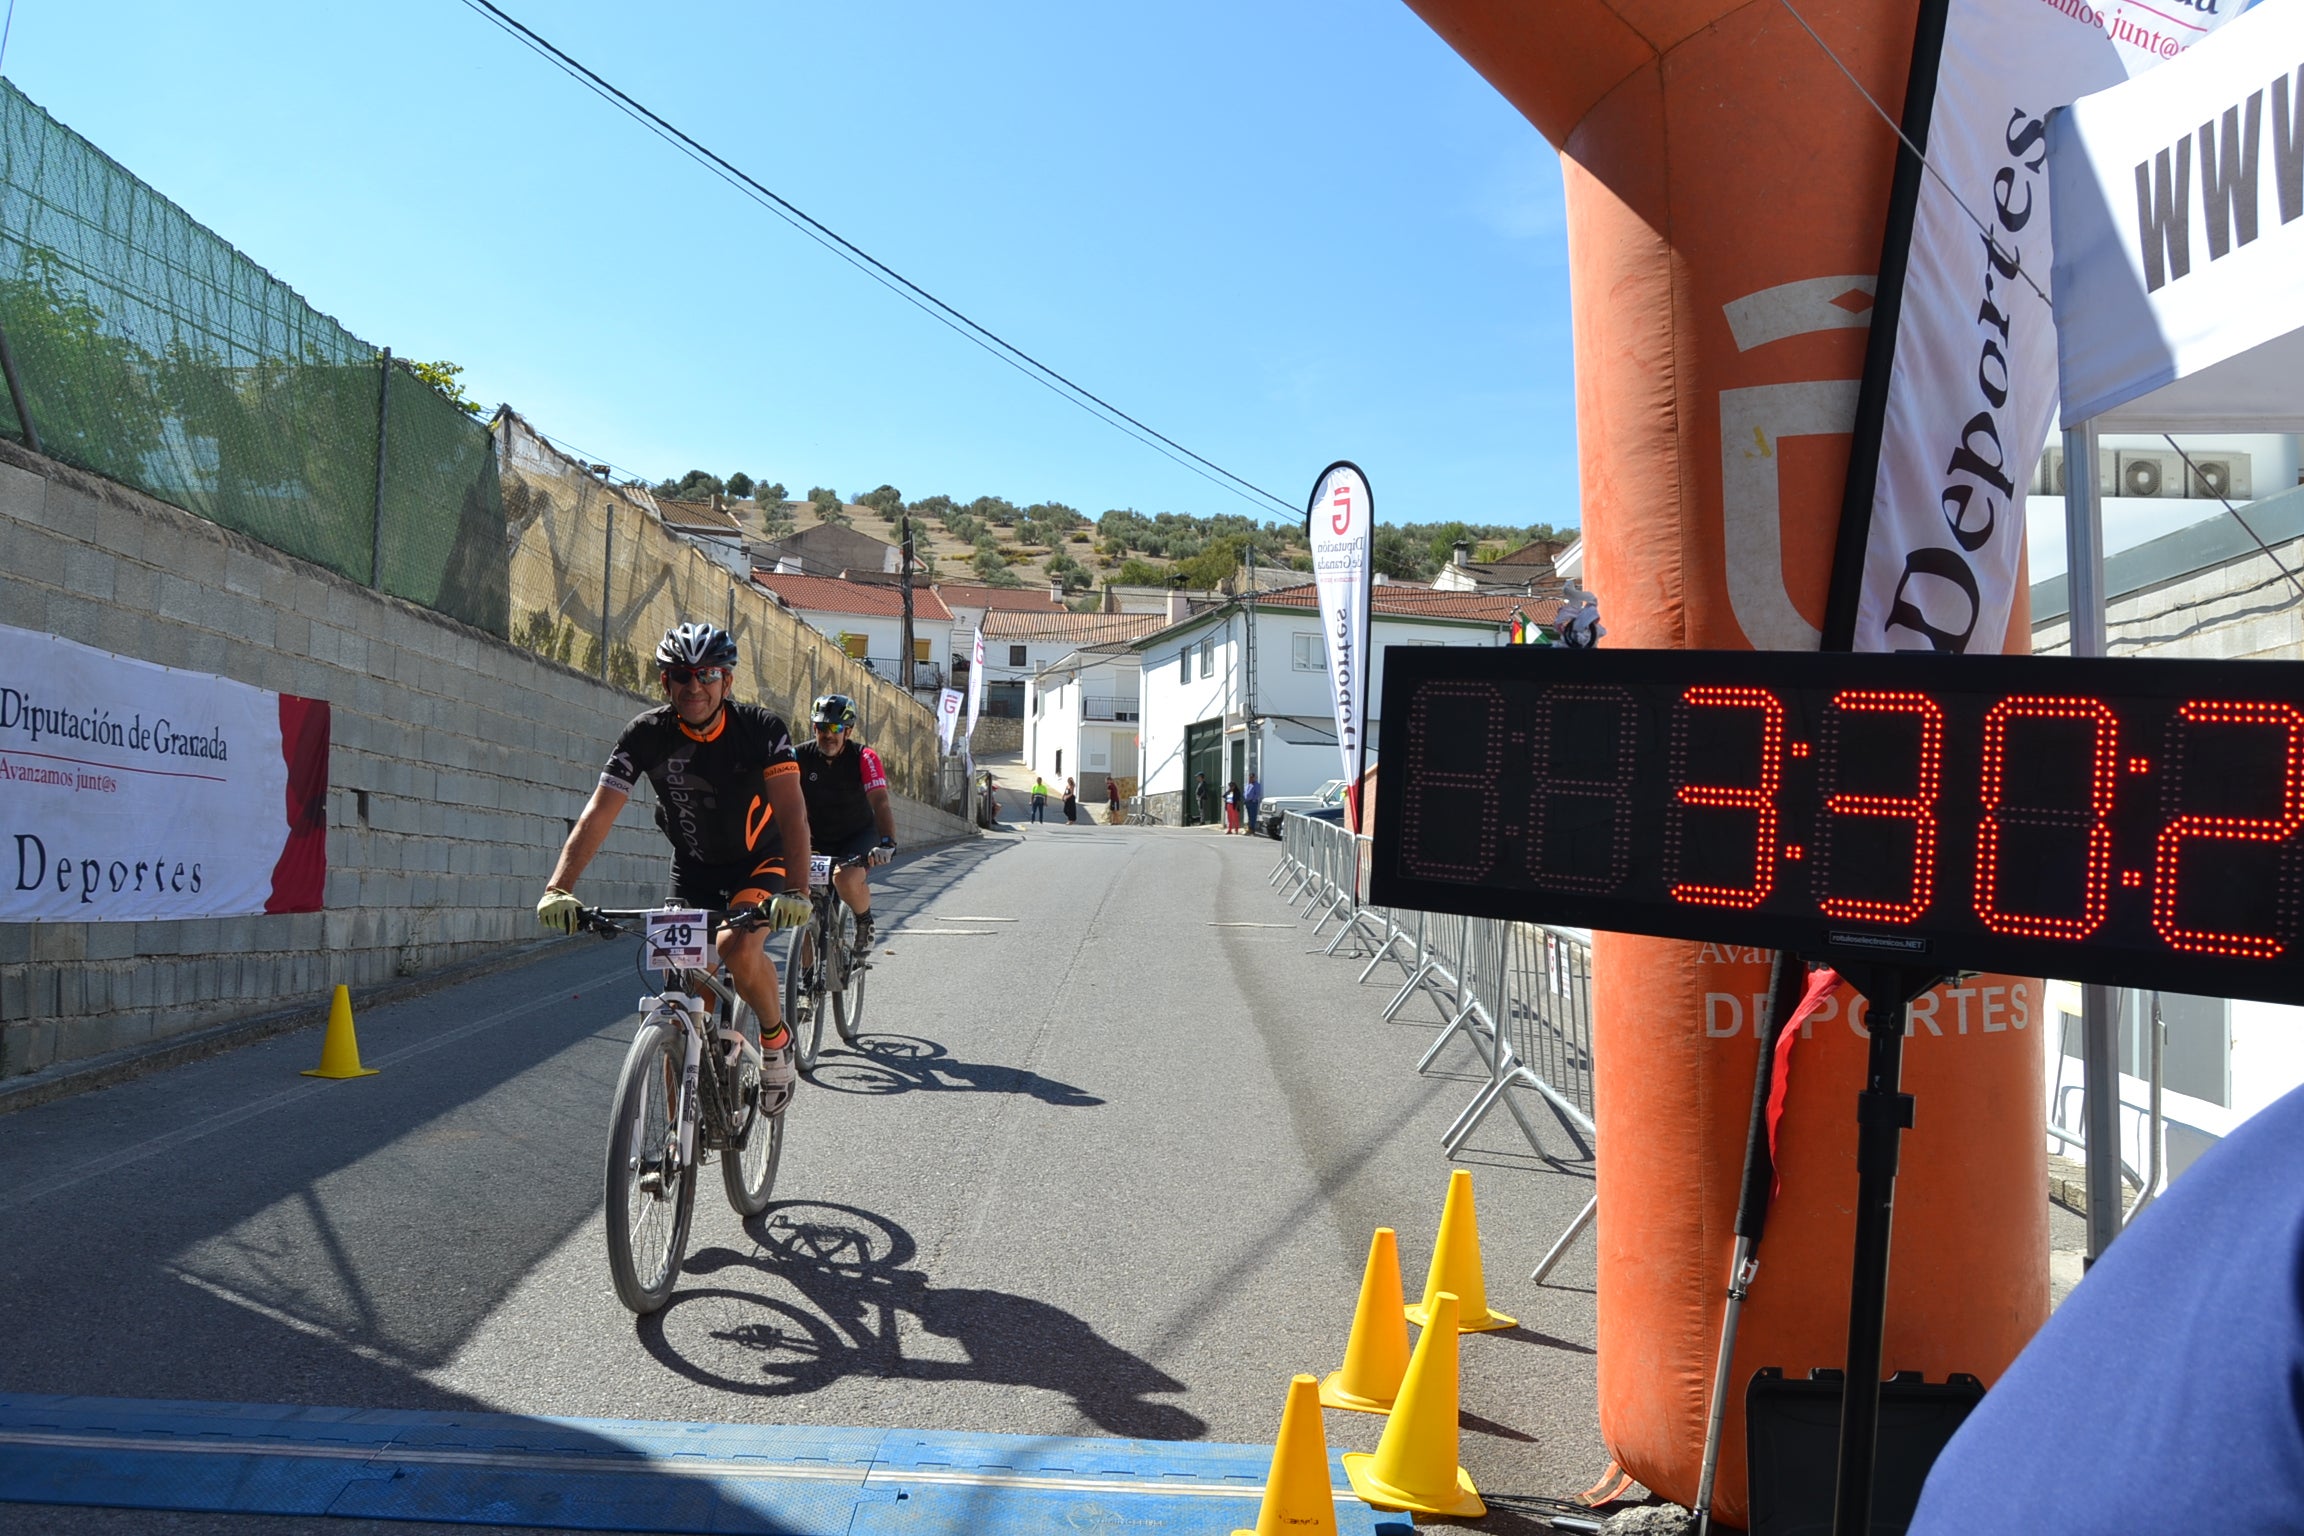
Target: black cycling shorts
717	886
853	846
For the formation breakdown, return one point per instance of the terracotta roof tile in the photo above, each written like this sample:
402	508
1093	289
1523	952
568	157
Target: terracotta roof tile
829	594
1071	628
1005	599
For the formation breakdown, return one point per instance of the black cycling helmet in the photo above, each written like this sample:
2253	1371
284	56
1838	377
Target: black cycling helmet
696	645
834	709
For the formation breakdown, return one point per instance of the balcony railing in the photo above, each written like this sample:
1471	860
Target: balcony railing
1092	708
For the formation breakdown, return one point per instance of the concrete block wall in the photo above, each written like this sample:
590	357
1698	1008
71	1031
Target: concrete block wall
457	764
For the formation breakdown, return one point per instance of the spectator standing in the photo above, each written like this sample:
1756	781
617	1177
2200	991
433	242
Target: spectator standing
1204	798
1071	803
1251	803
1231	807
987	803
1039	798
1112	799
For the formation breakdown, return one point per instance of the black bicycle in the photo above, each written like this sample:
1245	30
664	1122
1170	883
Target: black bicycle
690	1088
823	971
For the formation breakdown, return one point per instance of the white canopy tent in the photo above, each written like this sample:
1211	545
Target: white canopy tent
2178	201
2179	235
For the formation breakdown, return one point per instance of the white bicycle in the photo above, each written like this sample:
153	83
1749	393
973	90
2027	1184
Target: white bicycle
690	1088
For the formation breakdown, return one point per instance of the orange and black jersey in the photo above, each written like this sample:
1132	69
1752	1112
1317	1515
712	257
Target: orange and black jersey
711	785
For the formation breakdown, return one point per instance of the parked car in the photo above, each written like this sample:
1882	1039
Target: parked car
1324	804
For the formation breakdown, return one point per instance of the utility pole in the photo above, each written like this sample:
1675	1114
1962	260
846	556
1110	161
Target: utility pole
904	584
1248	704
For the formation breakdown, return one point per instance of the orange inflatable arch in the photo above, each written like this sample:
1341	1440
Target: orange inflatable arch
1727	190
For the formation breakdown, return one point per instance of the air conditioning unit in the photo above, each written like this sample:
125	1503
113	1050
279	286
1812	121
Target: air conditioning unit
2220	476
2048	479
2139	475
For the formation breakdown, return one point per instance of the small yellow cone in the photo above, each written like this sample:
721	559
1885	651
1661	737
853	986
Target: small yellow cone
340	1051
1415	1463
1376	1356
1297	1498
1456	1264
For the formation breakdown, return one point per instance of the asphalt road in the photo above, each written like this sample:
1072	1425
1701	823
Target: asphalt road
1106	1163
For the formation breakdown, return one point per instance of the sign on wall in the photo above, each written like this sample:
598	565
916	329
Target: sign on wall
131	792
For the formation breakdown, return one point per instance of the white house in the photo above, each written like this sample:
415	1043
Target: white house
1227	697
867	620
1017	644
1081	719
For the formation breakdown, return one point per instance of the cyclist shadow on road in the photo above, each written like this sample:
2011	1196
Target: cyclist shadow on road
891	1064
847	1264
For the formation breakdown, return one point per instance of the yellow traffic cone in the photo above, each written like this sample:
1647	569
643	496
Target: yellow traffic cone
1456	1264
1297	1498
1415	1463
1376	1356
340	1051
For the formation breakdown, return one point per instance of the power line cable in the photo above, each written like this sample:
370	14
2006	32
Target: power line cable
880	272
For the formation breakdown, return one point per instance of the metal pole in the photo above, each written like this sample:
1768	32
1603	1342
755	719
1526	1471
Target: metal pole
1787	984
16	394
1883	1114
904	672
383	431
2099	1006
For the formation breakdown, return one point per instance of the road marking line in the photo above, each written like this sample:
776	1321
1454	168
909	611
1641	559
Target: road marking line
949	917
1251	925
640	1463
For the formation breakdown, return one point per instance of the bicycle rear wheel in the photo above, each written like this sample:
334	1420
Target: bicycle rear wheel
847	980
749	1168
804	996
650	1197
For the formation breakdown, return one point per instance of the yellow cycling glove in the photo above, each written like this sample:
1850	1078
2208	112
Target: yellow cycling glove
558	910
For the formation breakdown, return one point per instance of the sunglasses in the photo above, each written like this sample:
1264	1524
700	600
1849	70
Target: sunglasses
823	726
675	676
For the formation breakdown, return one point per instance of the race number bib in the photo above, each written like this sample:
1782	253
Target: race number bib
819	866
677	938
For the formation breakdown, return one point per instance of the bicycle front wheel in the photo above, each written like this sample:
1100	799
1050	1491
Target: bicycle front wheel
749	1167
650	1194
803	997
847	966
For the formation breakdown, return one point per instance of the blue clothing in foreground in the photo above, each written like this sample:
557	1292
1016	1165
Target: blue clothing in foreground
2167	1393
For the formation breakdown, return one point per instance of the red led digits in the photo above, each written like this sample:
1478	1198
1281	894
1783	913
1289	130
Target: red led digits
1759	798
1549	786
1919	807
2168	852
2103	775
1451	795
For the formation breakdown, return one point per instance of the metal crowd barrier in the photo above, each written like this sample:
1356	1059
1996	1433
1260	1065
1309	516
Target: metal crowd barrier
1519	993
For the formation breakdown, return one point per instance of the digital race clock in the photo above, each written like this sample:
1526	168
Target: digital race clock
2134	822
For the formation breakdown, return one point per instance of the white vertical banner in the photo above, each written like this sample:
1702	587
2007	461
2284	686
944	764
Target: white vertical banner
1972	392
975	679
1341	524
947	717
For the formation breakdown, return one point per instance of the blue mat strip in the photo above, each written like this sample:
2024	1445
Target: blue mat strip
626	1475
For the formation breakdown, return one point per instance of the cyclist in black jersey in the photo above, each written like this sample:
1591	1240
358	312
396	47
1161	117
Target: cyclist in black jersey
728	798
849	813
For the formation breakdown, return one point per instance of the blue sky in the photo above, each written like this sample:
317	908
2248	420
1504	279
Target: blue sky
1279	233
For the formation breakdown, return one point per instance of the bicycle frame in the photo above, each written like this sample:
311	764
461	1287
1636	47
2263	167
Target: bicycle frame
691	995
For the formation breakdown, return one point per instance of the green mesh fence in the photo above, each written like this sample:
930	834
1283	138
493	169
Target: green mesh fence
150	352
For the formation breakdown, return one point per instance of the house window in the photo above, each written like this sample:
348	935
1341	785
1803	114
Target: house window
855	645
1059	762
1184	665
1208	658
920	650
1306	653
1015	655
